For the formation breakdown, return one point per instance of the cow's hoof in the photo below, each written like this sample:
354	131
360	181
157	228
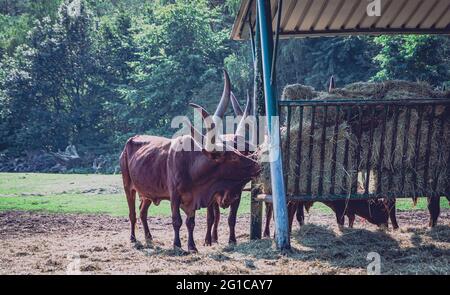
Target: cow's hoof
266	235
133	239
341	227
149	242
193	250
179	251
207	243
232	242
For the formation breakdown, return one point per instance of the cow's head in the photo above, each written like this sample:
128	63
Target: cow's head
238	138
374	211
233	168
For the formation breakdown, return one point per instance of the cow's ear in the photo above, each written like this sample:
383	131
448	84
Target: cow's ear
215	155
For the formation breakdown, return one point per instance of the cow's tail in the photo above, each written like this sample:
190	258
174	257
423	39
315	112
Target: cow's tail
123	162
127	183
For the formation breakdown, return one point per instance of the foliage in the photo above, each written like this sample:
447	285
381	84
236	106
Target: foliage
415	58
125	67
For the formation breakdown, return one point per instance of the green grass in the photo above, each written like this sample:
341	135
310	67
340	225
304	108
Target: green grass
82	193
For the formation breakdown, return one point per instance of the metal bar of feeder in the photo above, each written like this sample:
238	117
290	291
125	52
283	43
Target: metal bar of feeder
405	148
393	146
440	139
322	149
364	102
381	157
298	161
354	187
311	146
333	157
428	146
417	146
287	153
369	152
346	150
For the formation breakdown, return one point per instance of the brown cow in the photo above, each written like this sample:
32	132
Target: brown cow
159	169
376	212
213	211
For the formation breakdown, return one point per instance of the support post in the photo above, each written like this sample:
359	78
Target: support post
276	168
255	205
256	214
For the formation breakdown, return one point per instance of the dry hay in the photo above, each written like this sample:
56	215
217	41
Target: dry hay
392	167
290	168
42	243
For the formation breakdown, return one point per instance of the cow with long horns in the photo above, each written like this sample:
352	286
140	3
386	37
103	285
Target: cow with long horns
160	168
247	148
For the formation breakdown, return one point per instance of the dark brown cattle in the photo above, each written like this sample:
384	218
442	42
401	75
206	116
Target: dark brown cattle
159	169
377	212
213	211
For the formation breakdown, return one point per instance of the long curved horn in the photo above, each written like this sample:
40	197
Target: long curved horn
194	132
253	108
332	84
240	130
236	107
210	125
204	113
225	100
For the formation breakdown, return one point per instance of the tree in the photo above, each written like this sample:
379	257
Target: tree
414	58
179	55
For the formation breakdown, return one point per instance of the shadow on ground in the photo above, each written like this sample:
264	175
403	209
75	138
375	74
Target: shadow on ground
350	248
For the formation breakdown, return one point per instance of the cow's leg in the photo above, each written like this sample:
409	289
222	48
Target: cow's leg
435	209
351	220
392	213
209	224
215	235
292	207
300	214
131	200
269	211
190	224
145	204
340	213
176	220
232	220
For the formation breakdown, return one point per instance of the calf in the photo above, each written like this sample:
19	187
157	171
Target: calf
377	212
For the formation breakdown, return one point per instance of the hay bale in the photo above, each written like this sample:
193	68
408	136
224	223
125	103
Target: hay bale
413	161
414	164
340	139
298	91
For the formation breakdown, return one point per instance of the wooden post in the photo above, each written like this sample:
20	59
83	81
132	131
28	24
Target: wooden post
276	167
256	214
255	205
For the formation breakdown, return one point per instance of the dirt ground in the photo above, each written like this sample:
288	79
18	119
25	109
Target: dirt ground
40	243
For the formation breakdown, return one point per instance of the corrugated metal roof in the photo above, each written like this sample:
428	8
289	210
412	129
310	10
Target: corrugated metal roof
303	18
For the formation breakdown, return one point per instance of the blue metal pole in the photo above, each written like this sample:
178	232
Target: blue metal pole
276	168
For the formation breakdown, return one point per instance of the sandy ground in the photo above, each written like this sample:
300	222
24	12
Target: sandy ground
39	243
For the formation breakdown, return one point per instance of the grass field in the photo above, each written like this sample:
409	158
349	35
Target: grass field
83	193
